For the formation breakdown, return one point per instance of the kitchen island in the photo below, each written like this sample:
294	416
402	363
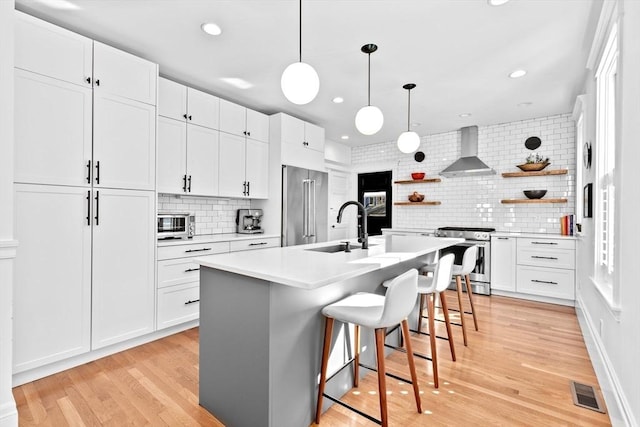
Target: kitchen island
261	323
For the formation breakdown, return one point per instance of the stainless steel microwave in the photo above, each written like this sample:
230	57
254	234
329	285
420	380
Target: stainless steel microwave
176	225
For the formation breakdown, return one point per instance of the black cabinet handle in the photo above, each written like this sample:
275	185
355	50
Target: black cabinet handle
189	187
502	238
248	188
98	82
244	188
192	301
184	183
185	116
305	143
189	116
88	207
544	243
98	172
544	281
248	133
88	171
257	244
97	208
198	250
191	269
88	80
543	257
244	132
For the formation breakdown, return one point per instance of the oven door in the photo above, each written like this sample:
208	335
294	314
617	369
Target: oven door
481	272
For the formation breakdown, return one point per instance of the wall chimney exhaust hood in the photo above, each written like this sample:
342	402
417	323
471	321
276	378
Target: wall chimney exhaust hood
468	164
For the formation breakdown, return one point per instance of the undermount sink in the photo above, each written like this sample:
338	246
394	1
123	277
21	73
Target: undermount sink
336	248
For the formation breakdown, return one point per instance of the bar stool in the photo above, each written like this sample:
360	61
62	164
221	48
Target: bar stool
379	313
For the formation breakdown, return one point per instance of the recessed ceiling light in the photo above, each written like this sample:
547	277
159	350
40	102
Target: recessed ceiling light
415	124
525	104
211	28
464	115
344	137
497	2
517	73
338	100
237	82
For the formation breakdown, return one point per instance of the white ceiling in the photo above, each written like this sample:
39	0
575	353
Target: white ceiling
458	52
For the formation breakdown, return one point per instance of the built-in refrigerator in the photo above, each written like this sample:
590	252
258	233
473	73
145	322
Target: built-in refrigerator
305	201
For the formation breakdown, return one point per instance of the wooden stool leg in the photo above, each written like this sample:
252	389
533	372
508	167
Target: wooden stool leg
356	361
445	311
420	311
412	365
328	332
432	338
382	384
459	290
470	293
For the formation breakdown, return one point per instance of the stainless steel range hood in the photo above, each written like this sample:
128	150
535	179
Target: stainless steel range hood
468	164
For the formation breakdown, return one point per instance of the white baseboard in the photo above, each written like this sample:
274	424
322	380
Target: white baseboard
618	406
53	368
8	415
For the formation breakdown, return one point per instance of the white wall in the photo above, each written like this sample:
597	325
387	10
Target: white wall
617	346
8	414
213	214
475	201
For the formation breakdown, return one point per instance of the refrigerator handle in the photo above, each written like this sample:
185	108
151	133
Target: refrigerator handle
312	207
305	208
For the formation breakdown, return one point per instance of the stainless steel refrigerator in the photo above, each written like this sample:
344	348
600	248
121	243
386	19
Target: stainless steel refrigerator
305	206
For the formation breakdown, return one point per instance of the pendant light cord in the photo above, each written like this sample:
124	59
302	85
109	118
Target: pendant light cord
300	35
369	81
409	112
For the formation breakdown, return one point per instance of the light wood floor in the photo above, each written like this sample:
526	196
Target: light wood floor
515	371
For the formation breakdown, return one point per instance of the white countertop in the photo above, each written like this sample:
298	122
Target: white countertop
409	230
212	238
531	235
301	268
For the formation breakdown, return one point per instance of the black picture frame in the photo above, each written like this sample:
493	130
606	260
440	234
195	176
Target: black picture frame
588	201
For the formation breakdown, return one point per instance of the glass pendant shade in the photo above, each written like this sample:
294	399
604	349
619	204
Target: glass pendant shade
369	120
300	83
408	142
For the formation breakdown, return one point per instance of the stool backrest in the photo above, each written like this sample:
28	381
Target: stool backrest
442	274
400	298
469	259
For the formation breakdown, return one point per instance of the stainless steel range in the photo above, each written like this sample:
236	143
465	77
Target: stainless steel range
480	237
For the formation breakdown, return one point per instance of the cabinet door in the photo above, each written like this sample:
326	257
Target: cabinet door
52	292
232	118
172	155
292	130
203	109
119	73
52	130
202	161
172	99
123	296
232	166
178	304
257	169
503	263
52	51
257	125
124	143
314	137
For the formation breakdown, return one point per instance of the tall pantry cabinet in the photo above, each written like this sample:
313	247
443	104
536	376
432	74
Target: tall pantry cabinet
85	120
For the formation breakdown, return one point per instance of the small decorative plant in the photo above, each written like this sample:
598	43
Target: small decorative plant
537	158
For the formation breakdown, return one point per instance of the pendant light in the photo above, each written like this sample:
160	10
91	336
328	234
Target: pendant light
408	141
369	119
300	82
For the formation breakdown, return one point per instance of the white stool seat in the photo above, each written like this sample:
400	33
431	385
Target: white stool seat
363	309
426	285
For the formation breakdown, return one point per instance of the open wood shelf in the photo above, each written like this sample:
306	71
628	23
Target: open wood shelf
516	201
430	202
535	173
417	181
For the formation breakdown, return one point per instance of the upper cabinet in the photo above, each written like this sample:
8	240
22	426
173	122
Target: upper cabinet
179	102
238	120
302	143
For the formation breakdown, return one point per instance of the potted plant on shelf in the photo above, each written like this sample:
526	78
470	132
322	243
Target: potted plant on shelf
535	162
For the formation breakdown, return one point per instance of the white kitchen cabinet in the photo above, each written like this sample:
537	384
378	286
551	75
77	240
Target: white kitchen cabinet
548	282
299	132
238	120
122	74
202	161
52	51
179	102
124	143
53	130
503	263
123	290
52	292
178	304
257	169
301	143
244	165
172	156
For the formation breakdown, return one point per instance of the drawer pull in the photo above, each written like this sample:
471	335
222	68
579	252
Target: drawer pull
192	301
192	269
198	250
544	243
502	238
257	244
544	281
543	257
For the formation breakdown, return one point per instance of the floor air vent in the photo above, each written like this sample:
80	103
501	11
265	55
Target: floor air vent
585	396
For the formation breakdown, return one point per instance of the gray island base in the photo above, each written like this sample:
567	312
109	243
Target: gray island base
261	339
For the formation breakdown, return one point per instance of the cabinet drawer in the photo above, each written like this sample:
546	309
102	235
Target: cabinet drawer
178	304
177	272
550	282
245	245
192	250
556	258
543	244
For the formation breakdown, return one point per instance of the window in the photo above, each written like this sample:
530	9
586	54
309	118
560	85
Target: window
606	76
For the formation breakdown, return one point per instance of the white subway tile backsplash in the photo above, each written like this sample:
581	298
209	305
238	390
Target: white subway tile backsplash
475	201
213	215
